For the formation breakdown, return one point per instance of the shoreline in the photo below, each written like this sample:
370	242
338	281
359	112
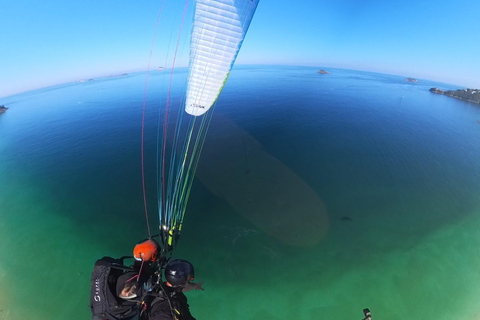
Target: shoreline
469	95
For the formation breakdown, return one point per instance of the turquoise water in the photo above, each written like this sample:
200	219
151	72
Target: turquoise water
395	167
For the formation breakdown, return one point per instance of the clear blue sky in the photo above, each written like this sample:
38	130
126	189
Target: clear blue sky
51	42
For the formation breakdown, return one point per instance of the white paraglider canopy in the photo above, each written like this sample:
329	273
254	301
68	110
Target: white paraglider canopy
219	28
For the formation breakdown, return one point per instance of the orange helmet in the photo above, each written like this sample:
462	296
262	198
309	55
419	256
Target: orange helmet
146	251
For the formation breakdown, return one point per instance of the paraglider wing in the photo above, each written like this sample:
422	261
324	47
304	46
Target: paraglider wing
219	28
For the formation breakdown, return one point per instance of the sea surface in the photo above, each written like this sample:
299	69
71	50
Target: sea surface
378	178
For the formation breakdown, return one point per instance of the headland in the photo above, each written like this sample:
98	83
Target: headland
470	95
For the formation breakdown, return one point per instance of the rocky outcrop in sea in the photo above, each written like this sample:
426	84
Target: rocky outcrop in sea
470	95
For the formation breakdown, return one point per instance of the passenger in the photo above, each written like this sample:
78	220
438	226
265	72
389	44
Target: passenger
170	302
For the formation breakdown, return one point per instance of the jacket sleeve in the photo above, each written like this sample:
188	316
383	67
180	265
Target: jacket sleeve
184	308
160	311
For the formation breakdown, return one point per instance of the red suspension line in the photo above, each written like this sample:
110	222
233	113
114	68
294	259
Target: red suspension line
143	120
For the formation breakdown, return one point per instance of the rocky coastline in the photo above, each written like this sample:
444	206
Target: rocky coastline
470	95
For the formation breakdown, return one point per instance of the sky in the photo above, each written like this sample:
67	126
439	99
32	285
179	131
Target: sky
51	42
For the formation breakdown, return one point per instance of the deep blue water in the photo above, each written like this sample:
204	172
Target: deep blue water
396	167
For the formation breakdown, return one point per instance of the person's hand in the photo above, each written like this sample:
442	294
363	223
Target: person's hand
193	286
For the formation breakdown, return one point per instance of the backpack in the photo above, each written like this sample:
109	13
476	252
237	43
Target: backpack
104	302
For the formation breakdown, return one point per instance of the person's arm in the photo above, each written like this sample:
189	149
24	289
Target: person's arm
193	286
160	311
186	315
185	309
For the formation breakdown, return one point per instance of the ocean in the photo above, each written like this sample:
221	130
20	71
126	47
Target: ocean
316	196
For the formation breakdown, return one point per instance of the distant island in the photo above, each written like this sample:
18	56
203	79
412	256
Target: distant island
118	75
323	72
3	109
411	80
110	76
470	95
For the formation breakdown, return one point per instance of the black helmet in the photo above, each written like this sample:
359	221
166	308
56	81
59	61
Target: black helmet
178	272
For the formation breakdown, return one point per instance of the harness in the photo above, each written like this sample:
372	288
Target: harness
104	302
160	293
